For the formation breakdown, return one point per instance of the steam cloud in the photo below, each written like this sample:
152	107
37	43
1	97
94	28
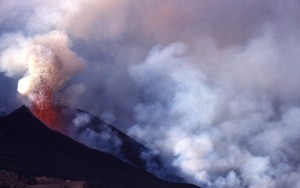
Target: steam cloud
50	64
210	86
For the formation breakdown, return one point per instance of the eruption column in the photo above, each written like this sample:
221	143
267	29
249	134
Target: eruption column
50	64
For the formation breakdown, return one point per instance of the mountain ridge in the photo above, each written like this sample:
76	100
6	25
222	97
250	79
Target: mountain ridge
28	147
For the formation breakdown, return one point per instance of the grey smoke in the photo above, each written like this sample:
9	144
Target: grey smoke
216	136
98	136
212	87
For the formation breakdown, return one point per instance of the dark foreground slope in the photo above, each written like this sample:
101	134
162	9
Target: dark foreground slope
29	148
129	150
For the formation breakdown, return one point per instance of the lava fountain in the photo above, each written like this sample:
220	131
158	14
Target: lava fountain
50	65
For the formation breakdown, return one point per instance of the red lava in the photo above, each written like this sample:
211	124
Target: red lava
49	113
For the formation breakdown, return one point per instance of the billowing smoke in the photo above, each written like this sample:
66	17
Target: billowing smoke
212	87
50	65
41	59
47	63
217	135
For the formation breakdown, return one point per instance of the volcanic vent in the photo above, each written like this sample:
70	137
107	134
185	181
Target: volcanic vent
50	64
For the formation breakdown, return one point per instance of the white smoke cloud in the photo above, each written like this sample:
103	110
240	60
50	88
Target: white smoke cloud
11	45
35	49
210	86
216	134
50	64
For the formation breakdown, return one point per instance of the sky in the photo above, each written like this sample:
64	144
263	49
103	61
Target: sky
211	86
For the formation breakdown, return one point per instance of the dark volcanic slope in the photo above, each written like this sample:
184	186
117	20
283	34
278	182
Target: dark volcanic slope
30	148
130	149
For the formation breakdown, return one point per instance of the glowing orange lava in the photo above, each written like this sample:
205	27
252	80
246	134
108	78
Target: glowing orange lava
49	113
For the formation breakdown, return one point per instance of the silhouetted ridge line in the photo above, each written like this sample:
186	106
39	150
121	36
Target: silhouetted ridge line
28	147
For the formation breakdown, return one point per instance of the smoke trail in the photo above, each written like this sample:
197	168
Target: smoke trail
97	135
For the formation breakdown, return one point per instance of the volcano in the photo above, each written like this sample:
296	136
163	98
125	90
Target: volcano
30	149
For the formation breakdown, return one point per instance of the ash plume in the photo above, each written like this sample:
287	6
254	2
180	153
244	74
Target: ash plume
210	86
47	63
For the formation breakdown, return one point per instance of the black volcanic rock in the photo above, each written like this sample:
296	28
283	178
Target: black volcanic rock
30	148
